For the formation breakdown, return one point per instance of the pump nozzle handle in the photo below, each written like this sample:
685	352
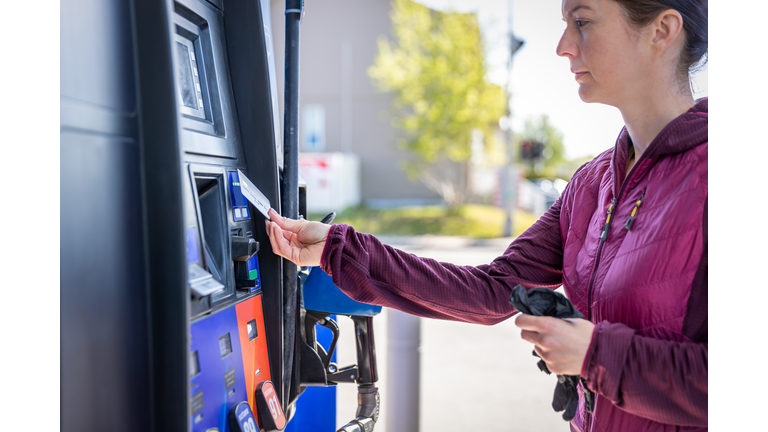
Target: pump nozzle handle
329	218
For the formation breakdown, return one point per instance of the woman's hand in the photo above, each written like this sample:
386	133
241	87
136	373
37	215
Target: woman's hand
299	241
561	343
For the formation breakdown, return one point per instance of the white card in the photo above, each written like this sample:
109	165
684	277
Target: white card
254	195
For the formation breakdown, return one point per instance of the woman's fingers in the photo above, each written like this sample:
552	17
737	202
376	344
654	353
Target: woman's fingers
274	240
280	244
284	222
271	235
301	242
290	237
561	344
530	336
536	323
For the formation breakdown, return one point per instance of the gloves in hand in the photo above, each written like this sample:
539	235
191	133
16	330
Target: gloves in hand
547	302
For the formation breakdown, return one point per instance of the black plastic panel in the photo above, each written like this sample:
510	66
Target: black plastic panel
105	381
97	64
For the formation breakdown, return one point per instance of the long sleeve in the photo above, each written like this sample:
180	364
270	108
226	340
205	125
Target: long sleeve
665	381
372	272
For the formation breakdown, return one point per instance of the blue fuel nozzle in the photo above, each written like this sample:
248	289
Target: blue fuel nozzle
322	295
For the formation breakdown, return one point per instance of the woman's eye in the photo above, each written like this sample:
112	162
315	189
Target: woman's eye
580	23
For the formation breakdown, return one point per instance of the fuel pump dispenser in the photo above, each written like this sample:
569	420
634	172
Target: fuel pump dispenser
170	292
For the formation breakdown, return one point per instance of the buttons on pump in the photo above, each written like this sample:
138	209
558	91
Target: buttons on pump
239	202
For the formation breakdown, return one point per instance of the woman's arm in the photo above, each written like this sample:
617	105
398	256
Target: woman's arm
660	380
372	272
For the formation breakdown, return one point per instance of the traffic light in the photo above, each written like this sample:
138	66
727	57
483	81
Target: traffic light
531	150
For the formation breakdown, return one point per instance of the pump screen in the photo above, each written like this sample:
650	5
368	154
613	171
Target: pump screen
225	345
184	77
211	199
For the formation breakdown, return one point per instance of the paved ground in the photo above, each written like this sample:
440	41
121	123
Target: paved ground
491	367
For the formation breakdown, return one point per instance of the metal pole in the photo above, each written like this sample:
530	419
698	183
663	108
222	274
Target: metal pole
346	96
403	371
509	178
290	186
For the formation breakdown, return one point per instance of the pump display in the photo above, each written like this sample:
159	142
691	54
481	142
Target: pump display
176	315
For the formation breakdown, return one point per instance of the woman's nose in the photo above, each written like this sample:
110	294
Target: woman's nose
566	47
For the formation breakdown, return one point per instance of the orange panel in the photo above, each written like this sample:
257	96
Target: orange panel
255	356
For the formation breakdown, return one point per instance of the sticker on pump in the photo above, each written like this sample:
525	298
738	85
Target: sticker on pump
268	406
254	195
241	418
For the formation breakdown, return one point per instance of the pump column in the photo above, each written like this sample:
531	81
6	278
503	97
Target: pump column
290	190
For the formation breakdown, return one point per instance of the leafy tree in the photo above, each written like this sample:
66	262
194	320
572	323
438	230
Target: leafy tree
436	71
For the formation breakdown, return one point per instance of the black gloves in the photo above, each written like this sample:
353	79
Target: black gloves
546	302
543	302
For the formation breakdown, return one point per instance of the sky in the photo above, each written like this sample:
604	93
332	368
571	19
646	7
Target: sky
541	82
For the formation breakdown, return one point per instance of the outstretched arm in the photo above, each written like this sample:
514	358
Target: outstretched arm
372	272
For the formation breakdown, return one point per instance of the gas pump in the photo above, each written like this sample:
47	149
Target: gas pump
170	292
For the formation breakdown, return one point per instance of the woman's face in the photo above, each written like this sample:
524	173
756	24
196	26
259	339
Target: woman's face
607	55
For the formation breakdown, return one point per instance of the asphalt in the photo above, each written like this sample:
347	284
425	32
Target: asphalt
473	377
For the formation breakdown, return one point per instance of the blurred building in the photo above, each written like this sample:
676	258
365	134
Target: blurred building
341	110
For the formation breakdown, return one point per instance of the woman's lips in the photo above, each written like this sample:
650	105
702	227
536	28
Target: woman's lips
579	74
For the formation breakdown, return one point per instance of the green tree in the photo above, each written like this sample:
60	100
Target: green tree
436	71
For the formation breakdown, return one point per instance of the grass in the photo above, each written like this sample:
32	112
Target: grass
476	221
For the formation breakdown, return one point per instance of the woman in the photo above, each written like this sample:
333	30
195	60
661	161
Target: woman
627	239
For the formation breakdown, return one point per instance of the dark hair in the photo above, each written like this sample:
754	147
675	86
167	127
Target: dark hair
694	13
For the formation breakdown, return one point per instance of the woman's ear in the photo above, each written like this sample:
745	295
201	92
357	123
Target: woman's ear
668	30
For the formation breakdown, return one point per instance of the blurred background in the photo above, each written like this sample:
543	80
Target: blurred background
446	128
441	116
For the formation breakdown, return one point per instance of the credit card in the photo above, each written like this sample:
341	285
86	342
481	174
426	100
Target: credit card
254	195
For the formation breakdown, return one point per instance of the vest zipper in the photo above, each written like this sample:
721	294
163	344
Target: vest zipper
603	238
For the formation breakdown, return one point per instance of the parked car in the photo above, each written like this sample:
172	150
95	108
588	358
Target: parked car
551	189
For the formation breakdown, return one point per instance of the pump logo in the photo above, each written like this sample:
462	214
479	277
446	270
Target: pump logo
243	414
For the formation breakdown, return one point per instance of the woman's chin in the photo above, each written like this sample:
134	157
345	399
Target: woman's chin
589	94
585	94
